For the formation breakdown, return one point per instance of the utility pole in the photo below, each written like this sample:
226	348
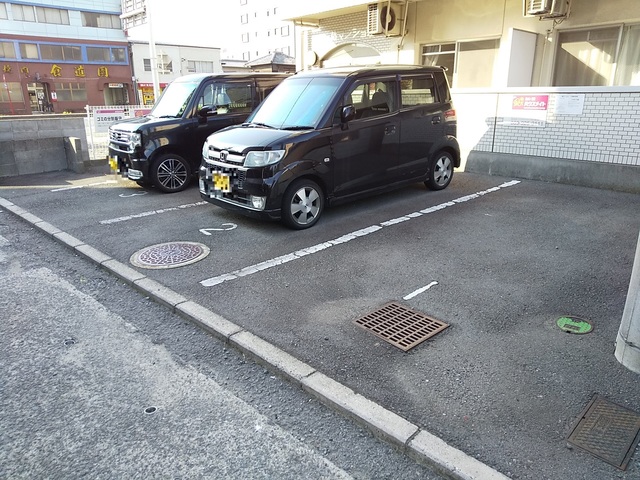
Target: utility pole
153	55
628	341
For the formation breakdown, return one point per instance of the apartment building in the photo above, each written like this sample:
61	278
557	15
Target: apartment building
60	55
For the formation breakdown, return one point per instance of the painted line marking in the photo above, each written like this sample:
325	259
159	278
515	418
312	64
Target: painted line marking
225	227
419	291
243	272
74	187
152	212
129	195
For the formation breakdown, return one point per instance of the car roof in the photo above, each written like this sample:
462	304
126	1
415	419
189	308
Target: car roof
366	71
197	77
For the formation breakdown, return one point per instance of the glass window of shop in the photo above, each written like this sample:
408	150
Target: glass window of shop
98	54
71	92
7	50
11	93
60	52
29	51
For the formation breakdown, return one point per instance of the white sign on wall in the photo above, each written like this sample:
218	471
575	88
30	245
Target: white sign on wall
104	117
570	104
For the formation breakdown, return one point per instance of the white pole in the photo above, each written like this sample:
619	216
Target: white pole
628	341
153	55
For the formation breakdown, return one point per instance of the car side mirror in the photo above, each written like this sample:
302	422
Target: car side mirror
207	111
348	113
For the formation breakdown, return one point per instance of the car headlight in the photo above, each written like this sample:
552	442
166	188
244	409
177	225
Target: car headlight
205	150
262	158
135	141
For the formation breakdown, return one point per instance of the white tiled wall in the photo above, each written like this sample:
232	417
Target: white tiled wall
606	129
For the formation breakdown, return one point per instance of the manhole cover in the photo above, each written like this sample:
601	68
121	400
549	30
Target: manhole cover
169	255
574	325
607	431
400	326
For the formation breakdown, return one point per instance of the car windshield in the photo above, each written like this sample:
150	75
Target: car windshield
297	103
174	99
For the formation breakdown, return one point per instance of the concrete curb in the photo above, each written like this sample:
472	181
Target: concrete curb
419	444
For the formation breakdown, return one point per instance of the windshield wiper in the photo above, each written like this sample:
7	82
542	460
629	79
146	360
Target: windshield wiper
298	127
256	124
169	116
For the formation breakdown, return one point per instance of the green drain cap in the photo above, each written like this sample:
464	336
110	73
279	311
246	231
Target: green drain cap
574	325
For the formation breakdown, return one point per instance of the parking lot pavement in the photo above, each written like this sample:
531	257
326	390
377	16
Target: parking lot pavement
497	259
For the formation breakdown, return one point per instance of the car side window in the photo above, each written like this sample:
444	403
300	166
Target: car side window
227	97
418	90
372	98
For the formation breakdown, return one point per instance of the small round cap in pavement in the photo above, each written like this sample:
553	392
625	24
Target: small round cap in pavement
169	255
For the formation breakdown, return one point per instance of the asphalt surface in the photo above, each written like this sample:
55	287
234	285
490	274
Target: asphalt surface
503	260
99	381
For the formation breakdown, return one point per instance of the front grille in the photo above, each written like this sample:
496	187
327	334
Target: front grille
225	156
119	137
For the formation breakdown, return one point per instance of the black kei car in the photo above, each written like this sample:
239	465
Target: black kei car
164	147
327	136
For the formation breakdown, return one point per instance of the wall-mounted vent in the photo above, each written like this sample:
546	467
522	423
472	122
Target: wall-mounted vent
546	9
384	18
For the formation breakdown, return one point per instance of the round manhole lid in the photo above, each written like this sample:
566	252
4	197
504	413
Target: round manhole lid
572	324
169	255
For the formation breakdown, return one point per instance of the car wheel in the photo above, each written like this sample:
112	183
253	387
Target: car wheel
440	171
171	173
302	204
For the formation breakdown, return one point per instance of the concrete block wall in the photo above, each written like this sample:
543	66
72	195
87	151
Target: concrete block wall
36	144
597	144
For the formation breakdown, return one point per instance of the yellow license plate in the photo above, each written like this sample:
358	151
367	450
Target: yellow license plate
222	182
113	163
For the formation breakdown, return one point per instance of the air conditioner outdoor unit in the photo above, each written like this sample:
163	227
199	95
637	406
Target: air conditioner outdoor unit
545	8
384	18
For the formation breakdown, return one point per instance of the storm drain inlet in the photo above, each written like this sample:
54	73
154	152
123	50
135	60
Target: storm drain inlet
400	326
169	255
607	431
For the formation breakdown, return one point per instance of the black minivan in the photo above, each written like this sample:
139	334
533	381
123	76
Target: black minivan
164	147
331	135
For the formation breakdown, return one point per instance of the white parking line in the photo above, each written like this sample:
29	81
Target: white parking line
210	282
152	212
74	187
419	291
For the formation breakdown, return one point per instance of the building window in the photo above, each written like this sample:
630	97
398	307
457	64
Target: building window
197	66
13	95
244	18
7	50
118	55
29	13
98	54
284	31
468	64
243	2
245	38
29	51
23	13
146	62
3	11
598	57
52	15
71	92
100	20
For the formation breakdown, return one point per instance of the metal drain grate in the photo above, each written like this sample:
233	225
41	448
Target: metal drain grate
400	326
607	431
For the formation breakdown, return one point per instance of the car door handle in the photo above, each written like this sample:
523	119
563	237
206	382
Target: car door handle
389	129
436	120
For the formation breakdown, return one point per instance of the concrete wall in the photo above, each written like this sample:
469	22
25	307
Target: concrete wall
36	144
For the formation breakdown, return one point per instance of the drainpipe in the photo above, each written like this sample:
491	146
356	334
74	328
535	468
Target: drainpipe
628	341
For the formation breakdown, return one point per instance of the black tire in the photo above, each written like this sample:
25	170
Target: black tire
302	204
171	173
440	171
